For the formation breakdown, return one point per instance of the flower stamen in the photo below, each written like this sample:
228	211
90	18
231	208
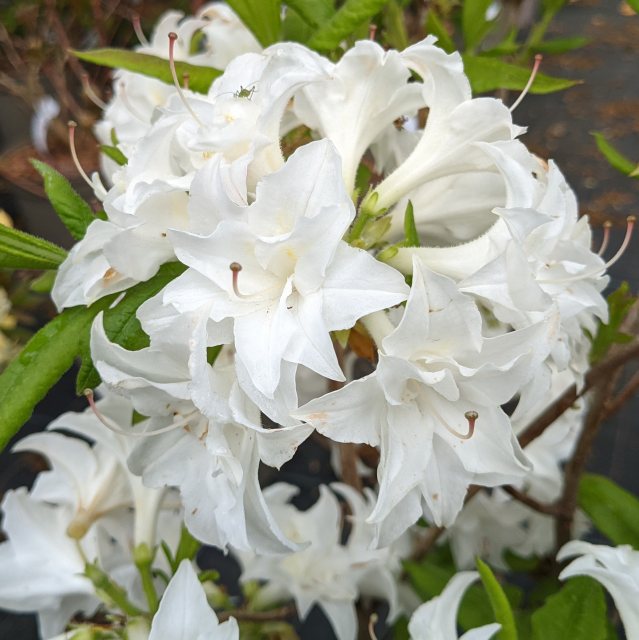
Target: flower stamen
533	73
371	626
606	237
112	426
137	27
471	416
90	93
372	31
72	127
236	267
172	38
186	77
630	225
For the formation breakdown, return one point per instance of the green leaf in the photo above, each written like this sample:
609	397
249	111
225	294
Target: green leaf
488	74
498	601
634	4
351	15
613	510
74	211
615	158
187	548
313	12
560	45
395	27
474	24
262	17
400	629
200	78
43	283
620	302
435	26
121	324
20	250
114	153
577	612
410	230
40	364
553	6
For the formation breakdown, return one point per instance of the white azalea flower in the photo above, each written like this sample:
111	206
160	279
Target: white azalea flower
616	568
324	573
42	566
437	618
436	376
219	486
283	274
185	614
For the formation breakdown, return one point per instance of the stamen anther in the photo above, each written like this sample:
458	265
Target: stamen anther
137	27
72	127
607	225
236	267
186	77
172	38
90	93
630	225
533	73
471	416
372	31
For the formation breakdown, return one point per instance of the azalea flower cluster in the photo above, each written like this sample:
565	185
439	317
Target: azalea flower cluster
461	271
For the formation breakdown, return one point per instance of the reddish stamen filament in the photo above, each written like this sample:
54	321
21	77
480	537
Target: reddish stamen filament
471	416
606	237
186	77
72	127
90	93
137	27
372	31
110	424
533	73
172	38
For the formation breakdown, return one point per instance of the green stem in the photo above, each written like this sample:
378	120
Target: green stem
143	557
109	590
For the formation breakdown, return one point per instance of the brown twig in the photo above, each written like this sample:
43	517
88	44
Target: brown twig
629	390
567	399
529	501
287	611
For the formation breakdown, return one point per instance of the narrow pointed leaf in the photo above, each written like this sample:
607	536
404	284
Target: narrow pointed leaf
351	15
489	74
615	158
410	230
114	153
200	78
436	27
20	250
40	364
262	17
474	23
74	211
498	601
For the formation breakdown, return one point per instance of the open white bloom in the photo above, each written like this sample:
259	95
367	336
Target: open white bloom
185	614
437	618
326	572
436	377
224	445
283	274
130	112
42	566
616	568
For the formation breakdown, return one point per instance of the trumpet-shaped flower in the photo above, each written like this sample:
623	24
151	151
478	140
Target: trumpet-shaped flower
437	618
219	486
326	572
283	273
433	405
616	568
